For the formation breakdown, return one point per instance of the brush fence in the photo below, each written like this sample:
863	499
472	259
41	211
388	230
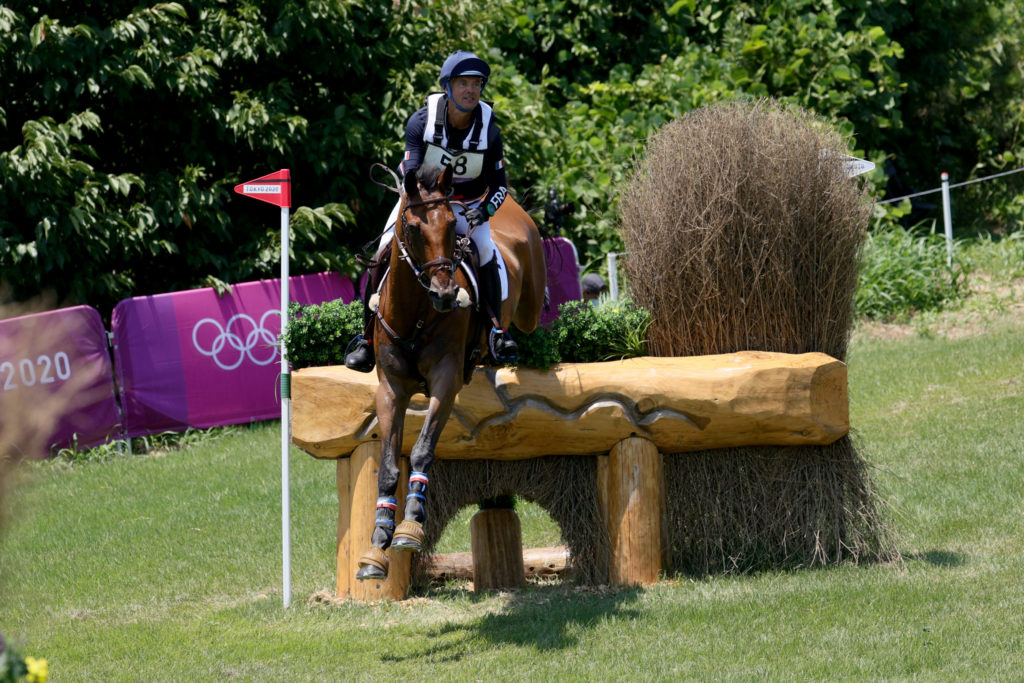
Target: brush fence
625	413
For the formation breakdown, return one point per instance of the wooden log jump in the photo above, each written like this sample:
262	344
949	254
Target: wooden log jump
627	413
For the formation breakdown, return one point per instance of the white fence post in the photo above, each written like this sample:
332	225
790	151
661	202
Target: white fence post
613	275
947	221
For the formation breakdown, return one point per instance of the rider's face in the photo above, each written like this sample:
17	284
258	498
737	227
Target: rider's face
466	90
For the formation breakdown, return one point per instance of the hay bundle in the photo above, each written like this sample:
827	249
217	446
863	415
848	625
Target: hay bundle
743	232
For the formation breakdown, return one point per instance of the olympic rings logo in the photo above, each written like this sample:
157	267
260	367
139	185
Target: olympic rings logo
233	340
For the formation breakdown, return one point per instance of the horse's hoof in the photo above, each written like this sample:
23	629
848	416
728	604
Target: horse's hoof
409	536
373	565
370	573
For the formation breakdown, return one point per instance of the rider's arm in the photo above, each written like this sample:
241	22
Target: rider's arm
414	146
494	172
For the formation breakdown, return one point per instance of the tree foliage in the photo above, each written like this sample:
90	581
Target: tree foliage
123	126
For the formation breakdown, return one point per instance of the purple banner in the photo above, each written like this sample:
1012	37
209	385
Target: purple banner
56	380
563	275
197	359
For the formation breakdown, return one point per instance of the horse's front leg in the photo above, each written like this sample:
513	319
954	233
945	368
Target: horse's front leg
392	403
444	384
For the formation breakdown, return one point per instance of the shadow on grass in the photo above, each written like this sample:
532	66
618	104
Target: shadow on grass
939	558
545	617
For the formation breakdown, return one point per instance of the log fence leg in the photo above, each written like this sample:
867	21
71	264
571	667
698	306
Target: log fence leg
634	508
357	501
497	540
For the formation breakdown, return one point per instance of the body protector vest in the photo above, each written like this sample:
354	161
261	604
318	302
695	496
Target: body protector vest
466	161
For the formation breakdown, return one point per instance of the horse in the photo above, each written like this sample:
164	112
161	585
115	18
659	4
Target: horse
428	335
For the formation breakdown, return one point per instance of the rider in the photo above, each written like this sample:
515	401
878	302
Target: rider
455	129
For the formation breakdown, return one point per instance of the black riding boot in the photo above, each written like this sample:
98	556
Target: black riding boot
360	356
503	347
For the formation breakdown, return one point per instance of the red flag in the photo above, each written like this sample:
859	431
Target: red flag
274	188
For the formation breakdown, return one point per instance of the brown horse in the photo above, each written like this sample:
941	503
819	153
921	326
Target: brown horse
428	334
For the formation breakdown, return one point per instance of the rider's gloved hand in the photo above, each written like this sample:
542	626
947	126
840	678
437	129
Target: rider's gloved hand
475	216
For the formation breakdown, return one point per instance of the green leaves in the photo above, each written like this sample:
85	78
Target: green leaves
584	333
125	126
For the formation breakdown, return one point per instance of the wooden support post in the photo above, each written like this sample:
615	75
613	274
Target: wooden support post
635	493
357	509
497	540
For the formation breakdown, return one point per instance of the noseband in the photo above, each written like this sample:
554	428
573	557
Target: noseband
442	263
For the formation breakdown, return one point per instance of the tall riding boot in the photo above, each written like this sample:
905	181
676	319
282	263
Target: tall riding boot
503	347
360	357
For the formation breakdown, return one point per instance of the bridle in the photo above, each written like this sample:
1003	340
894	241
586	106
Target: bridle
424	271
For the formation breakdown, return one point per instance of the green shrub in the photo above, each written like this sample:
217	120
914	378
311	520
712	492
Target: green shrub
539	349
903	272
318	334
587	334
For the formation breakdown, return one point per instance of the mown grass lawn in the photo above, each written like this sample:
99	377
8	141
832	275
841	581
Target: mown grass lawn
167	567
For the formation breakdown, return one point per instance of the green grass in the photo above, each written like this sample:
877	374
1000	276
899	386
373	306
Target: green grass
167	567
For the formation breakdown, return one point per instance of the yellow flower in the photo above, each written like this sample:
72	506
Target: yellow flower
37	670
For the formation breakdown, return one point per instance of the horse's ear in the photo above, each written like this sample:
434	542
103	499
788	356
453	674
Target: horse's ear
445	181
412	187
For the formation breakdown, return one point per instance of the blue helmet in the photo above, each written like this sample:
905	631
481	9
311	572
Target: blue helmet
463	63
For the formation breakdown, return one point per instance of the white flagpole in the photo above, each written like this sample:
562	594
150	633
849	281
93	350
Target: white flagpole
286	423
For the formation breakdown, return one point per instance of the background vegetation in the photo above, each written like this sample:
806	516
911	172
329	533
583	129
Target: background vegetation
123	127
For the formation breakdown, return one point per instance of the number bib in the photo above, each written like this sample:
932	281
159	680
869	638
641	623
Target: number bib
465	165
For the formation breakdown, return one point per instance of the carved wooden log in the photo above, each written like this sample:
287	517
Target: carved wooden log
681	404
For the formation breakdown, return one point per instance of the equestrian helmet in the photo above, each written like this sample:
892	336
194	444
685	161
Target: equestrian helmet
463	63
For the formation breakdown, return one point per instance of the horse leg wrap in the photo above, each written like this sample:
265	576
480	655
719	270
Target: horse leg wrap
410	535
416	501
384	525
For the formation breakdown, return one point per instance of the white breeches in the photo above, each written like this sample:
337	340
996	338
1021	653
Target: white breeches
481	234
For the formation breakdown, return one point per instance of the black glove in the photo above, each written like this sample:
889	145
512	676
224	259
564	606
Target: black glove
475	217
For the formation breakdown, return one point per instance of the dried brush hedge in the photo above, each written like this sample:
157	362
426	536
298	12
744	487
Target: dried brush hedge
563	485
743	232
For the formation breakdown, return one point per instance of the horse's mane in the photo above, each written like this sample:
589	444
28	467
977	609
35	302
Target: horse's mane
429	176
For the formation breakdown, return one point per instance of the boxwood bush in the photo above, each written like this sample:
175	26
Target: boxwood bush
318	334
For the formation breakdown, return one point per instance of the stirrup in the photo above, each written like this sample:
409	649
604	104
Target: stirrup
373	565
409	536
502	346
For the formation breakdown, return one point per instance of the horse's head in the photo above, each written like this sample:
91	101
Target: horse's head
426	232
